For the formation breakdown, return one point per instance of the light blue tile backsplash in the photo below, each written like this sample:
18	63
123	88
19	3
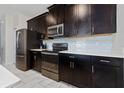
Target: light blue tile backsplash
95	42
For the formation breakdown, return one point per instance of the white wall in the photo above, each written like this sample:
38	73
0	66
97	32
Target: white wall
13	22
119	39
108	43
2	47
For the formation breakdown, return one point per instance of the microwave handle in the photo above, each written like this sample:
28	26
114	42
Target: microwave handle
62	29
57	30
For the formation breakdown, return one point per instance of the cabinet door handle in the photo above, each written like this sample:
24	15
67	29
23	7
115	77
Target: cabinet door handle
35	58
106	61
70	64
92	69
93	30
21	56
73	65
71	57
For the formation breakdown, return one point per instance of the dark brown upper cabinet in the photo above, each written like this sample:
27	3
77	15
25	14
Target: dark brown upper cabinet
56	14
42	22
38	24
70	20
77	20
103	18
83	20
33	24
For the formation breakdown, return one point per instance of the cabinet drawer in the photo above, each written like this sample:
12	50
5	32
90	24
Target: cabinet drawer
108	61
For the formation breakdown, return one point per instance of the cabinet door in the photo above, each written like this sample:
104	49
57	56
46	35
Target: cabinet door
65	73
71	20
82	72
107	76
76	70
103	18
42	24
56	14
37	62
60	13
33	24
84	19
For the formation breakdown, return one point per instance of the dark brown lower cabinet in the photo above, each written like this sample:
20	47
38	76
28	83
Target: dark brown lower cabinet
107	77
82	71
36	61
108	72
91	71
75	70
65	73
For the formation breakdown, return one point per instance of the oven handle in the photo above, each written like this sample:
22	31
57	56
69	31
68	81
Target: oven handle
46	53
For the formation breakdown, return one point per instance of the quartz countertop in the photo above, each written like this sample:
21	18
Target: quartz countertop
38	50
95	52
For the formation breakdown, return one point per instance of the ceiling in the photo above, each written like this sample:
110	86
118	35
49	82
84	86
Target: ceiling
30	10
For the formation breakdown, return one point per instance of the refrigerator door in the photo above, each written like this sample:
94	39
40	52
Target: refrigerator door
20	42
21	62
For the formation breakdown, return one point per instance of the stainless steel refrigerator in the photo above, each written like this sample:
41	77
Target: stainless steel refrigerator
25	40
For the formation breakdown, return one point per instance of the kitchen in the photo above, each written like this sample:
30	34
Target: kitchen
79	44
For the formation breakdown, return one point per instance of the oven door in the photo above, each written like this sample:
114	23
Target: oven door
50	62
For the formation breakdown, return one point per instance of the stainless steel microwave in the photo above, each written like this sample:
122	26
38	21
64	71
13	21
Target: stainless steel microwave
56	30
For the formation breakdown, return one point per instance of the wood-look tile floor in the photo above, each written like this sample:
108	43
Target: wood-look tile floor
33	79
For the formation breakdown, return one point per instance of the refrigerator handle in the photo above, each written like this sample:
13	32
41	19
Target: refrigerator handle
17	40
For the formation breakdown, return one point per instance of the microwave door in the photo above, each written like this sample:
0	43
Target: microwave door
52	31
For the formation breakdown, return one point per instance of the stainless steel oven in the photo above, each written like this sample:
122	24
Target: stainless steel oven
50	65
50	60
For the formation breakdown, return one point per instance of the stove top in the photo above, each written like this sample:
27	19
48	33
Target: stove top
57	47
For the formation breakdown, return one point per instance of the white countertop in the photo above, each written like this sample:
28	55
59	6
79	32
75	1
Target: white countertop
37	49
105	53
7	78
93	52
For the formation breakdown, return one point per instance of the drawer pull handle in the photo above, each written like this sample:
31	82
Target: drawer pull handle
92	69
20	56
72	65
106	61
71	57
